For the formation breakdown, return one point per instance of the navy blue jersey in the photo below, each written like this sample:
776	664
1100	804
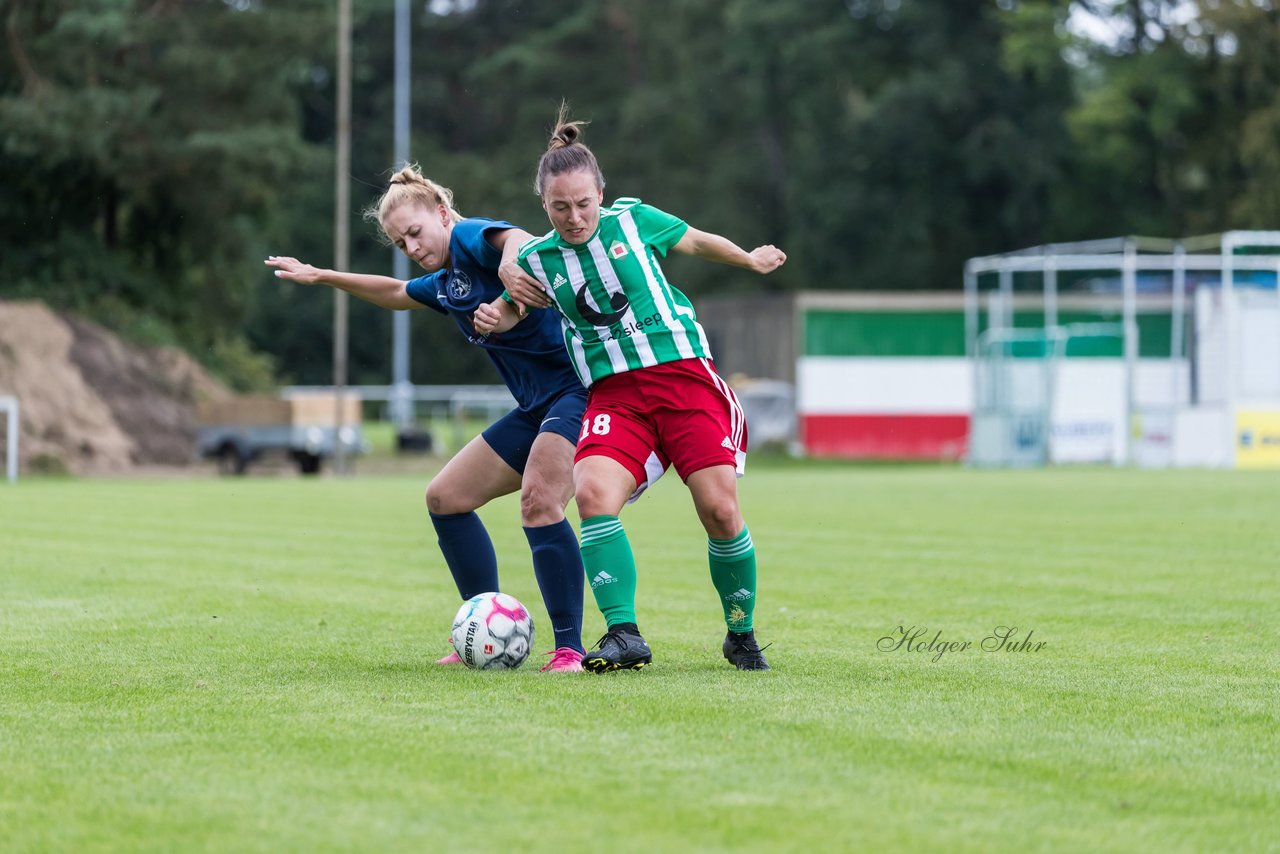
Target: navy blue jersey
531	357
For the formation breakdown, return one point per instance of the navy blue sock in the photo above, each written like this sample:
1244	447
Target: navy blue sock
468	551
557	564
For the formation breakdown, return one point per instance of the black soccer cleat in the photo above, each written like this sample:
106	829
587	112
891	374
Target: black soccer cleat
742	651
621	648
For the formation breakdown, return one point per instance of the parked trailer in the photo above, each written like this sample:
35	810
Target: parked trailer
305	428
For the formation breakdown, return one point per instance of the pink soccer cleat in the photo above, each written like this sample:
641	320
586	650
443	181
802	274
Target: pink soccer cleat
563	660
451	658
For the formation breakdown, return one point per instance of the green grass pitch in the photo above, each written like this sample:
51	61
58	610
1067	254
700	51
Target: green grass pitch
246	665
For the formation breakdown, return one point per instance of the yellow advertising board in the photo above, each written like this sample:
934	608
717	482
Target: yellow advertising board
1258	439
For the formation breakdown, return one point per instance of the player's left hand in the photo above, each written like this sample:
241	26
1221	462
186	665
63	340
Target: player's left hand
766	259
486	318
524	289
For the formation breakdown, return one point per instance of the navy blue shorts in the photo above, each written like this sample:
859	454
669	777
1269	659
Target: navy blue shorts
512	435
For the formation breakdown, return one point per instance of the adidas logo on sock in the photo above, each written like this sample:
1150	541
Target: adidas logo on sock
727	443
742	594
558	281
602	578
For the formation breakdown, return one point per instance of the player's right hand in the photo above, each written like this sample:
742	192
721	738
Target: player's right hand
293	270
525	290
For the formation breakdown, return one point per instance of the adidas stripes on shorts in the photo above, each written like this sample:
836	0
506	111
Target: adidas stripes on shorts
679	413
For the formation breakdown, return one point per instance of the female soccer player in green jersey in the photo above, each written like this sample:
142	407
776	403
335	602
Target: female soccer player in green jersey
655	398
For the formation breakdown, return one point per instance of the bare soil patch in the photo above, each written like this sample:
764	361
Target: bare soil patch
92	403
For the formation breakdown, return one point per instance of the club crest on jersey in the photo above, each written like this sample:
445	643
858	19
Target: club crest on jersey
618	249
460	285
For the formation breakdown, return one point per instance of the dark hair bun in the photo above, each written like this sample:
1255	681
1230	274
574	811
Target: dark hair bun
565	135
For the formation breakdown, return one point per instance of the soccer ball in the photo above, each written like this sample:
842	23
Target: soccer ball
492	631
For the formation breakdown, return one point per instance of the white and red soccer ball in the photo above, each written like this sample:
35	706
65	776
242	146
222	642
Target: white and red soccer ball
492	631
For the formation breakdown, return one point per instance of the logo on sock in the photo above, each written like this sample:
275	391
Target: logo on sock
602	577
742	594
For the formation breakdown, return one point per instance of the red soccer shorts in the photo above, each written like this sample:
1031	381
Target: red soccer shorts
679	413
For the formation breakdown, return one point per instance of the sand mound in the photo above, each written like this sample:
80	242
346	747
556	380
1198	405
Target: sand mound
91	403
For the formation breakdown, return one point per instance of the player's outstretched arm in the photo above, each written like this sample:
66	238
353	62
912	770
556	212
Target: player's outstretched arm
382	291
713	247
496	316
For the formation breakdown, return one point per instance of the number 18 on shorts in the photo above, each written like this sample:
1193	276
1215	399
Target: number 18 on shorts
680	413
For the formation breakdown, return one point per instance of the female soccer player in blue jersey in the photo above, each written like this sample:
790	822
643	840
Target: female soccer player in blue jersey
531	448
655	397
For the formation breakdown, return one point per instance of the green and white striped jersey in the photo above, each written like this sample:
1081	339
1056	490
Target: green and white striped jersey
617	309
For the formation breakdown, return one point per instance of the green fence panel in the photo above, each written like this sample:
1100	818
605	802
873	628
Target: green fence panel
941	333
883	333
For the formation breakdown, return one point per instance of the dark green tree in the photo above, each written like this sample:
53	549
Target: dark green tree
152	152
1178	123
144	149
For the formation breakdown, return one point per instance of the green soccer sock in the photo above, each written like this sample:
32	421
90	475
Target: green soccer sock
611	568
733	572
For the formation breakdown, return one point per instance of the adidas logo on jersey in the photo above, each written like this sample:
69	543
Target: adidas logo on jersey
602	578
558	281
742	594
728	443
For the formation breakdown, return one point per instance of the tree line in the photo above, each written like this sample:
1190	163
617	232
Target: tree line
152	152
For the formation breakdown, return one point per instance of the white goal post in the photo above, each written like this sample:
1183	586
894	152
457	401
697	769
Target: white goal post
1034	406
9	406
1204	387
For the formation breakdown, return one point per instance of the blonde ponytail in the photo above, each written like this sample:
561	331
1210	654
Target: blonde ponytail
409	186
